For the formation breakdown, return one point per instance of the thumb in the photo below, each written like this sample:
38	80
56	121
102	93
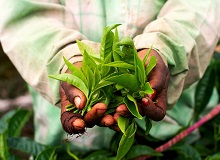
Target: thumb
73	95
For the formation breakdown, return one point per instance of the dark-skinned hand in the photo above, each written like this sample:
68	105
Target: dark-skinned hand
75	123
152	106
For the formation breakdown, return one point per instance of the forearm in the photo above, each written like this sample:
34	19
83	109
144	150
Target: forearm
185	34
36	36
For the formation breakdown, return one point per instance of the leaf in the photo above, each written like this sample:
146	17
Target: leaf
26	145
98	155
126	80
97	75
3	147
75	71
68	150
115	47
101	84
17	122
127	41
148	125
72	79
215	156
120	64
132	106
146	56
140	150
148	89
151	65
90	77
123	123
93	55
47	154
204	90
107	41
145	124
88	61
106	69
126	141
4	121
140	75
186	151
139	68
107	95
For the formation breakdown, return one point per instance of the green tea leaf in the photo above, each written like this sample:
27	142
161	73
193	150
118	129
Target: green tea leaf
148	89
132	106
139	68
115	47
108	94
123	123
146	56
141	75
101	84
82	46
88	61
105	70
90	77
126	80
97	77
72	79
127	41
126	141
151	65
107	41
75	71
120	64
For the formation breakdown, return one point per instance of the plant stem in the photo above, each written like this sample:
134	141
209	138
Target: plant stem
189	130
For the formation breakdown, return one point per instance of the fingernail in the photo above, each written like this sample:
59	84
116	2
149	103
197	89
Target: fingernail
77	102
78	124
145	101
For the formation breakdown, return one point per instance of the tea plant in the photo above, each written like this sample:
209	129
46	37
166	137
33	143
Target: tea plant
114	77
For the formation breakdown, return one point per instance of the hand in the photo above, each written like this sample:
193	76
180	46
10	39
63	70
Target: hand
152	106
75	123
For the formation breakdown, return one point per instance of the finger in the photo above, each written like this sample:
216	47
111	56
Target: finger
95	114
158	75
115	126
155	110
64	100
74	95
115	116
72	123
122	110
107	121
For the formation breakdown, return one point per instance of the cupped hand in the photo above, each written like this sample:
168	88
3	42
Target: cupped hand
76	123
152	106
